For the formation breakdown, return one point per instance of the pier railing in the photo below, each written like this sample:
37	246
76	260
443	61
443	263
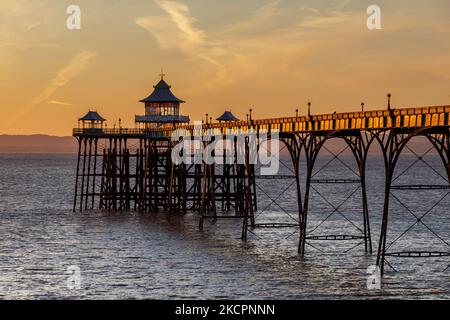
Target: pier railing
103	131
378	119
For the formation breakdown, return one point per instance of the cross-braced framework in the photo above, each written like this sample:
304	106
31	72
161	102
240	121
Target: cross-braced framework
216	190
122	174
393	143
358	142
269	196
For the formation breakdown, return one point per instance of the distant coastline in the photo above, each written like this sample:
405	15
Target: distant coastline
45	144
37	144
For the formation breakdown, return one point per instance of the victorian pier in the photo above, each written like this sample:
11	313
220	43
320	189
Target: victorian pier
133	168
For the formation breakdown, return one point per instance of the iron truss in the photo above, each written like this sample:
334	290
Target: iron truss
137	173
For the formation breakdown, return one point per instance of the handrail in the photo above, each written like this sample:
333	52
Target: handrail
397	118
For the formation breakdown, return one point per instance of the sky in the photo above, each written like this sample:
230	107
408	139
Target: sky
269	55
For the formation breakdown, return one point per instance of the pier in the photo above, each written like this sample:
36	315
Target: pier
133	168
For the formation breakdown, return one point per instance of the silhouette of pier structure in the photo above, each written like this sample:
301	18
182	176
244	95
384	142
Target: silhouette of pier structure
133	169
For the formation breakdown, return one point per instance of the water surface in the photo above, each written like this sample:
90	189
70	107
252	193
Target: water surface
130	255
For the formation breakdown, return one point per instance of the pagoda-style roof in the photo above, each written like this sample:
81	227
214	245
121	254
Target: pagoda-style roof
162	93
227	116
92	116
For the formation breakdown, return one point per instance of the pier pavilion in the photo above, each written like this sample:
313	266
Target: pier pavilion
162	108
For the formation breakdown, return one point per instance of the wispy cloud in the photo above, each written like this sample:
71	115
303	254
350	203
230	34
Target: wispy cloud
27	45
75	67
273	31
19	20
62	103
343	3
329	20
259	19
34	25
177	31
181	17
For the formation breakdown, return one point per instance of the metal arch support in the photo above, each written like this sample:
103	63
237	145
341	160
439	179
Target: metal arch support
294	145
359	144
311	147
392	143
441	142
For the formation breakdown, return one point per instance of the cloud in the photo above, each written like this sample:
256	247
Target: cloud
18	21
27	45
343	3
180	15
61	103
34	25
15	8
176	30
261	18
240	50
303	49
75	67
330	20
307	8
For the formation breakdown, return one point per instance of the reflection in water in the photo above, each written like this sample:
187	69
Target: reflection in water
132	255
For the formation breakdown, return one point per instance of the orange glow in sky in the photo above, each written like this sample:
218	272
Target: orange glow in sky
269	55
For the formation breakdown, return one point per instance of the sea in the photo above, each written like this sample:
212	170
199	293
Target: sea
47	251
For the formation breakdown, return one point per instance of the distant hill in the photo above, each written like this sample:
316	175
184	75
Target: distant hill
52	144
37	144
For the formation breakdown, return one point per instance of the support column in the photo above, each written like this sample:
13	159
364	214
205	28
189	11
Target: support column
83	174
77	174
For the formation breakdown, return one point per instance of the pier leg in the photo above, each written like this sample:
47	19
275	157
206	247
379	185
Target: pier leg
94	174
248	205
88	175
294	145
311	152
83	174
102	204
77	175
203	197
388	148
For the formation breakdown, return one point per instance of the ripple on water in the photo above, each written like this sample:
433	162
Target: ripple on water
137	256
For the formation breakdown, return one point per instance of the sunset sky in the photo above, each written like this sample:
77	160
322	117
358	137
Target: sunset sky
271	55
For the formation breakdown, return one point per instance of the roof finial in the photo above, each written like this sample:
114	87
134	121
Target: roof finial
309	109
162	74
362	106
